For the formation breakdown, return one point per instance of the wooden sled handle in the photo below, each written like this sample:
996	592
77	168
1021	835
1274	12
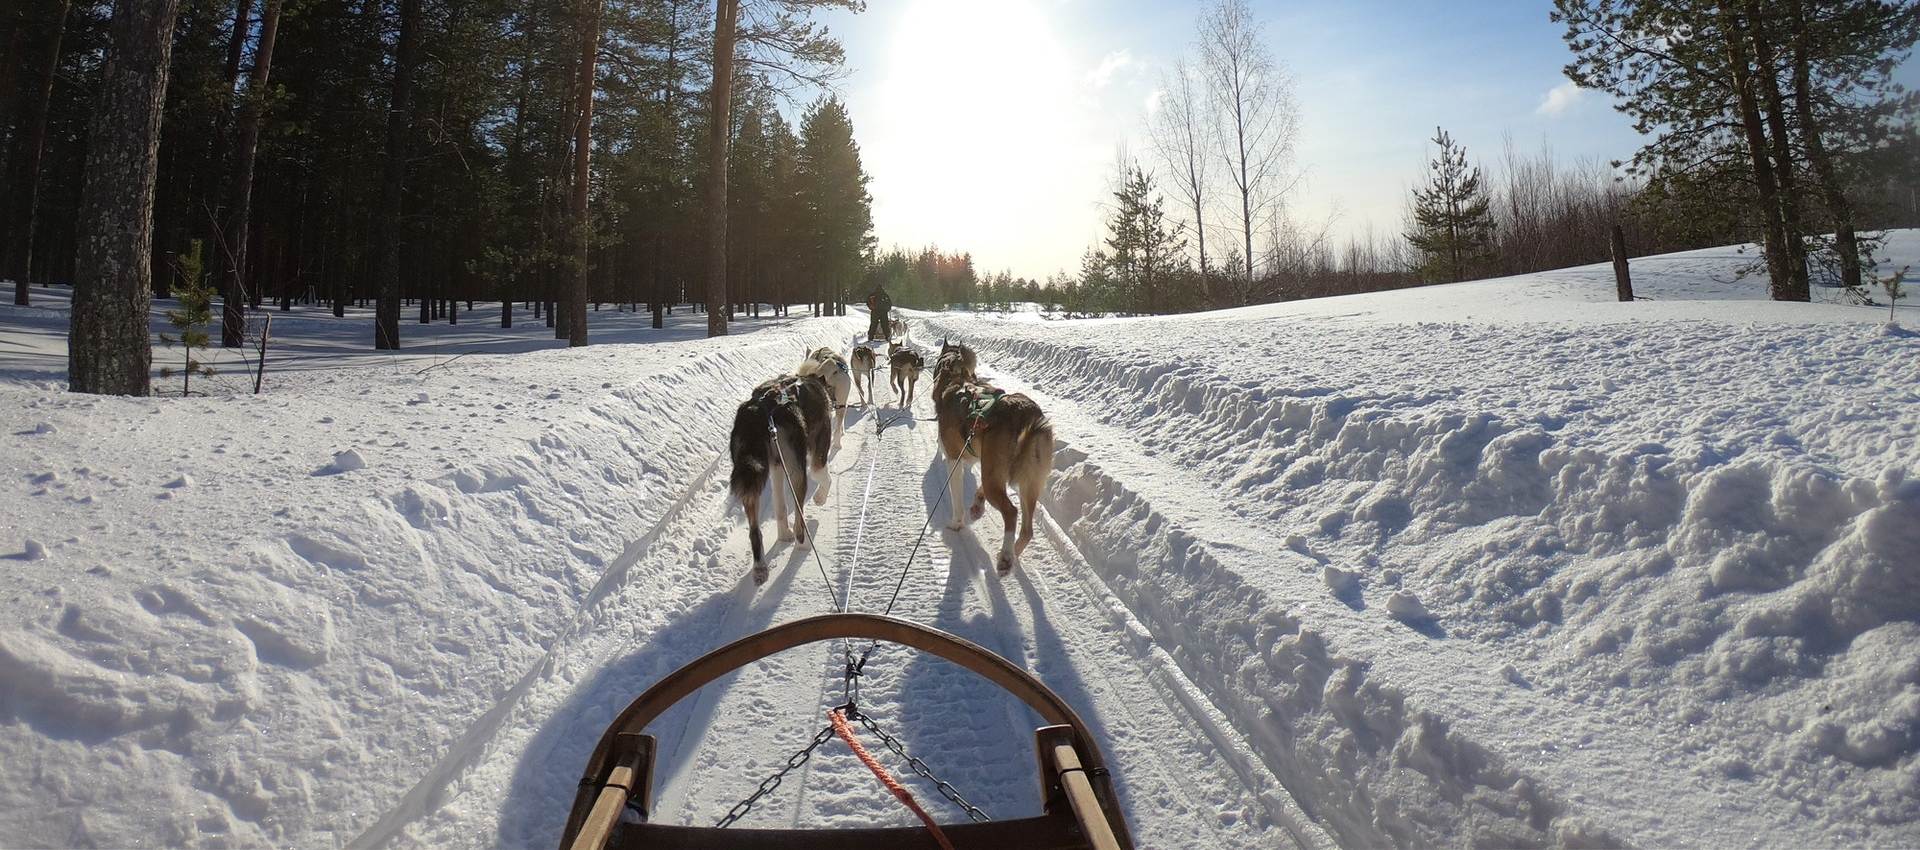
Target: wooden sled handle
681	683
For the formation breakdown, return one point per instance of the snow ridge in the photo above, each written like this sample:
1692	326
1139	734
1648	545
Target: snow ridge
1686	590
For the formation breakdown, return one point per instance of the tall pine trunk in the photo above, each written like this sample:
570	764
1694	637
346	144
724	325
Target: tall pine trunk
109	347
719	112
406	54
233	316
1774	240
582	149
1832	190
29	142
1780	149
15	35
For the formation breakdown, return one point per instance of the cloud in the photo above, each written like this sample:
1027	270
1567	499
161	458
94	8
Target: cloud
1109	65
1154	99
1560	98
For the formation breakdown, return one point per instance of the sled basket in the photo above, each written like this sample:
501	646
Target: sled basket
1080	810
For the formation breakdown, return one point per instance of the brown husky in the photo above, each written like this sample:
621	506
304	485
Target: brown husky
1006	433
956	362
782	426
864	364
905	364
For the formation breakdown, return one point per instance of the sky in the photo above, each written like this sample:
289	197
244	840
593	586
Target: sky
992	126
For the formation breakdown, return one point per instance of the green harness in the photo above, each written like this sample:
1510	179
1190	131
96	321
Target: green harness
980	399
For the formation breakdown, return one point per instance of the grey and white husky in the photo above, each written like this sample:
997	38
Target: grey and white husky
827	365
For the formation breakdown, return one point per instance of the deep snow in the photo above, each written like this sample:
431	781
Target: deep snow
1494	563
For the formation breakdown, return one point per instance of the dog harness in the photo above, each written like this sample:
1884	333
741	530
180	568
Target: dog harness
980	399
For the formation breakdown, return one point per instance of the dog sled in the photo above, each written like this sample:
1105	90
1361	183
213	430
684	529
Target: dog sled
1079	810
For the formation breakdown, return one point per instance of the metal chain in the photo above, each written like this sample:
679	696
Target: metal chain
767	785
920	767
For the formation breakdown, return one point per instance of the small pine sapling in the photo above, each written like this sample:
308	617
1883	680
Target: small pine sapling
1891	284
192	317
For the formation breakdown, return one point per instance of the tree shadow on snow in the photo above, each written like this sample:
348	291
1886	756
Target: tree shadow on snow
542	786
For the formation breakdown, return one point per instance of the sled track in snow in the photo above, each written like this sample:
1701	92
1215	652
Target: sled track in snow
1187	777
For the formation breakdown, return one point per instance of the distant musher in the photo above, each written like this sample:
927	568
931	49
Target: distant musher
879	303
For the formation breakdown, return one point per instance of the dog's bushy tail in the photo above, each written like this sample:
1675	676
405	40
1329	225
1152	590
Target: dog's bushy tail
1033	456
748	448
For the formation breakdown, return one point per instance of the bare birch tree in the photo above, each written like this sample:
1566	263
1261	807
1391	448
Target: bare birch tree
1182	134
1258	119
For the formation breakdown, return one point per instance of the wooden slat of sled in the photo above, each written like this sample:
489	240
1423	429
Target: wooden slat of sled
1075	786
1041	833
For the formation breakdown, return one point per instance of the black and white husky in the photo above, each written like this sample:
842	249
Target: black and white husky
782	428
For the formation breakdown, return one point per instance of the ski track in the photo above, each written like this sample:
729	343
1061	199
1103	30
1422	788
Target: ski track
1184	775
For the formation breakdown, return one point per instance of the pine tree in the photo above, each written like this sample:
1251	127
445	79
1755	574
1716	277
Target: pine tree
29	136
195	297
838	230
1144	249
1842	54
110	350
387	256
1452	215
1701	81
1891	284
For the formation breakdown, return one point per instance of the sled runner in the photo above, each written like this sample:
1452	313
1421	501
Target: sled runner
1080	811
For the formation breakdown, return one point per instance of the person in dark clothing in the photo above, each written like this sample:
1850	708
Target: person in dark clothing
879	305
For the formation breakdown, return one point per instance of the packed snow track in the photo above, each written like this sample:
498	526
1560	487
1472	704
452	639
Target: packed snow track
1186	778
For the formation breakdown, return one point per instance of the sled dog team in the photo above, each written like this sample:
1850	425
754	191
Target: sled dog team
784	432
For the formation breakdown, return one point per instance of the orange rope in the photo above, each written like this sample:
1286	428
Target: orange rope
845	732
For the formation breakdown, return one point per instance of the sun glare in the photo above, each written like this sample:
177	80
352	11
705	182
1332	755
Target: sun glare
967	88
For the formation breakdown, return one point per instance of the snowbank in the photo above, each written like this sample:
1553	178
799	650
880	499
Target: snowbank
265	616
1530	578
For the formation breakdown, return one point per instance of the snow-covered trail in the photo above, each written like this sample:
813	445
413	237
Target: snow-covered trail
1186	779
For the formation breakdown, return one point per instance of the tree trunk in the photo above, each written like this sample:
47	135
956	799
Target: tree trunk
719	112
582	149
1622	278
109	347
1780	145
29	142
200	209
233	317
13	50
1832	190
1774	239
406	55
